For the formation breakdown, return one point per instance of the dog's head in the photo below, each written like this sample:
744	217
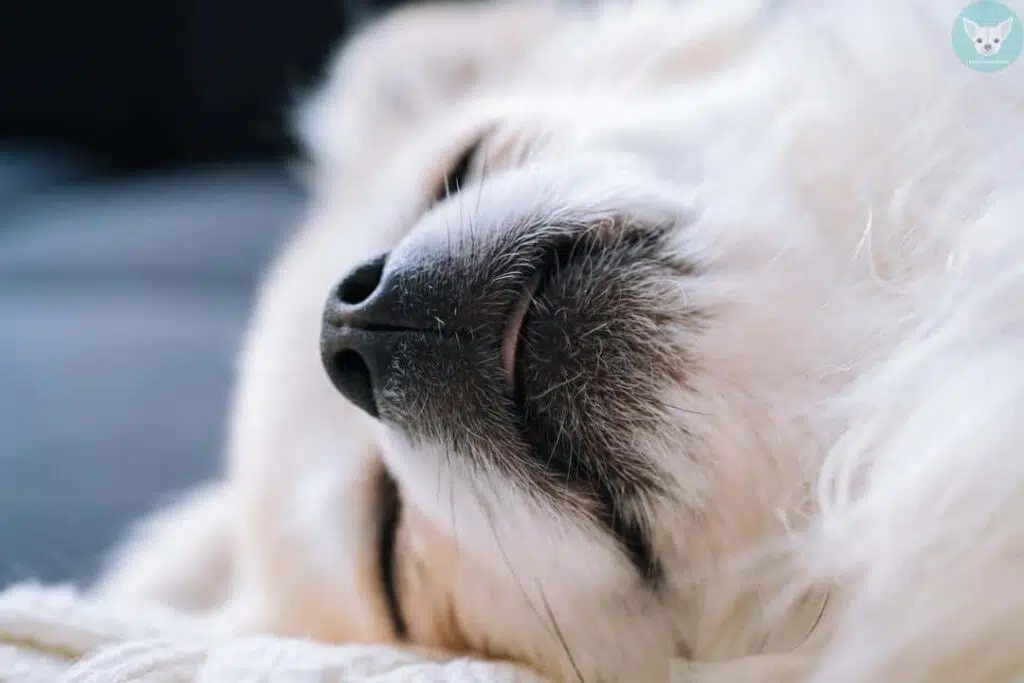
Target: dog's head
988	40
590	343
592	291
570	391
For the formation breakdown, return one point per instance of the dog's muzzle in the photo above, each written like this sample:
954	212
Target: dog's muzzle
381	321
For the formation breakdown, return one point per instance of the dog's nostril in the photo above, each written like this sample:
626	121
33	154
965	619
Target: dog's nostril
351	376
361	282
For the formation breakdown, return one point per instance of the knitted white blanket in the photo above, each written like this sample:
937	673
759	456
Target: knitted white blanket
55	635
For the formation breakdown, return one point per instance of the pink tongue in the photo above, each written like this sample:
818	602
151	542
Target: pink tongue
510	340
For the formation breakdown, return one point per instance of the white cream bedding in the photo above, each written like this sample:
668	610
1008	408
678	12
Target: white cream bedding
55	635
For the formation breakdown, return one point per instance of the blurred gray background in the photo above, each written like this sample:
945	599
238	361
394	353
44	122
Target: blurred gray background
143	187
122	301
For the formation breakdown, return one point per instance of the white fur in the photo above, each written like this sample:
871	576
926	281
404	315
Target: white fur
856	513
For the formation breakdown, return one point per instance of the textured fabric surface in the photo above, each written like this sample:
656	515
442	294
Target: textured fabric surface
122	304
53	635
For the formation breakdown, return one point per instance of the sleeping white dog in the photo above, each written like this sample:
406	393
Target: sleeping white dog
644	342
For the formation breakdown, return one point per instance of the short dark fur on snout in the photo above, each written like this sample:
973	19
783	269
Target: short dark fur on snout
414	338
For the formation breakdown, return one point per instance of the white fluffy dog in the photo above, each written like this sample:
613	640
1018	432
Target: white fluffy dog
672	340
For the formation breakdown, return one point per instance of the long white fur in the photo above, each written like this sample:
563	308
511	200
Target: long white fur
861	193
920	521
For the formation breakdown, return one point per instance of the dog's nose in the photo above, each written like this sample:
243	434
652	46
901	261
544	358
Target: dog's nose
401	315
369	316
354	336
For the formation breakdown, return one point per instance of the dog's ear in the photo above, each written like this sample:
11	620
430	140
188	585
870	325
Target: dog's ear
407	67
971	28
1004	28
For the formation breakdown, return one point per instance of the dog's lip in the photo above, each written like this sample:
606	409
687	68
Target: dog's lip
556	256
511	338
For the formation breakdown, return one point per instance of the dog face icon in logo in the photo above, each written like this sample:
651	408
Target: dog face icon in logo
987	36
988	40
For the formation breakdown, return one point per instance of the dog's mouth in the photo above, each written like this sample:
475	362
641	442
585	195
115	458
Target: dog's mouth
553	325
558	257
512	338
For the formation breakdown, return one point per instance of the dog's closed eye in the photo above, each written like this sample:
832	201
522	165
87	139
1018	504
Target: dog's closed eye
459	171
389	514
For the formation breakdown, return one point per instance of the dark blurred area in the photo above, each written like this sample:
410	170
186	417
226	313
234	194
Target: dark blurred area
143	84
143	187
